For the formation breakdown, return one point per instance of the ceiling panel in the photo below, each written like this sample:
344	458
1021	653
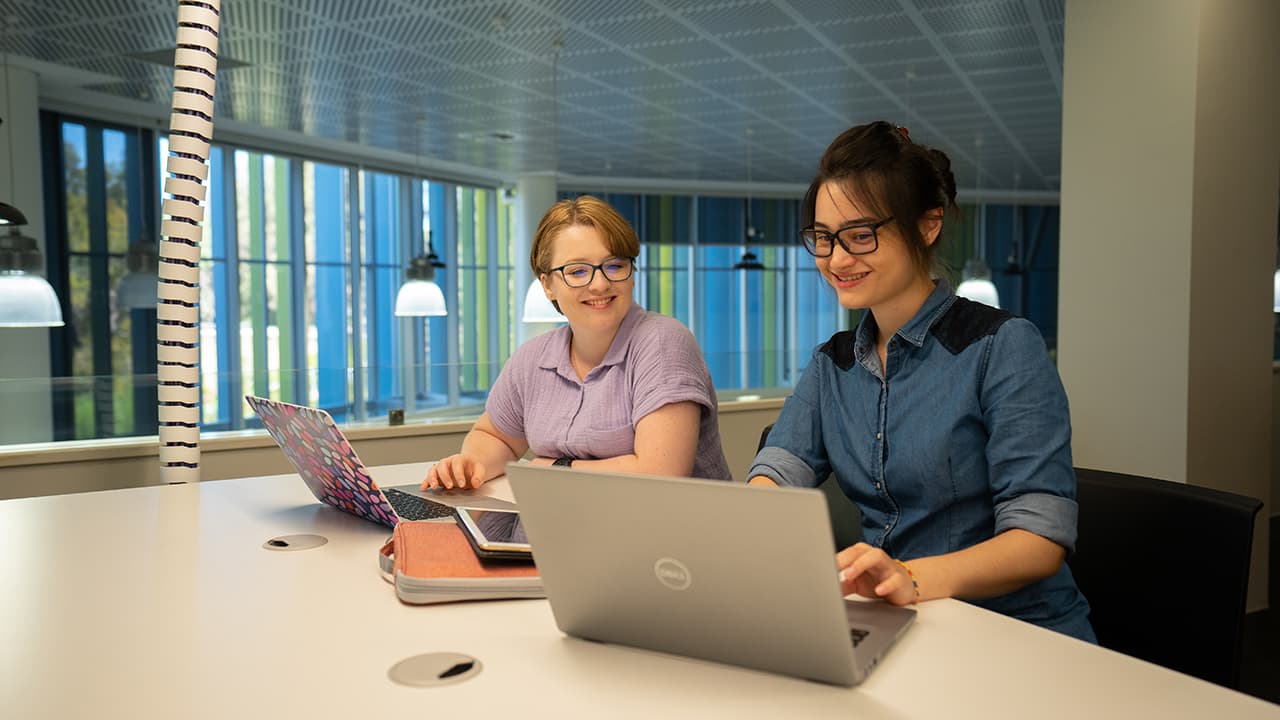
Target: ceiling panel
645	86
965	17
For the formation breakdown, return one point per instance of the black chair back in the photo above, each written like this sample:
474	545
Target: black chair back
1165	567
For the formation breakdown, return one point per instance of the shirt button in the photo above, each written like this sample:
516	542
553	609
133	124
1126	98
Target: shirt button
877	436
877	486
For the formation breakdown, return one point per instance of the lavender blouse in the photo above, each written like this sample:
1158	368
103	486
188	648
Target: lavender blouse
653	361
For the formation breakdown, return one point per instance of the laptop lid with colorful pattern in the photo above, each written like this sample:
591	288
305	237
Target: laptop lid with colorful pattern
322	456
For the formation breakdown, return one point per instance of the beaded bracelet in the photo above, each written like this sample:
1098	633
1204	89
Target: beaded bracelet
915	585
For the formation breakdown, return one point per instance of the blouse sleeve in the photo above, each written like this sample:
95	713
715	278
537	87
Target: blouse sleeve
1028	451
505	404
668	368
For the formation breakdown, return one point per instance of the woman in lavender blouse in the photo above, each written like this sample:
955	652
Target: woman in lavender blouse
618	388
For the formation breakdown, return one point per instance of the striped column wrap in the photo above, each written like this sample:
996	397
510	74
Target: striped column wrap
195	67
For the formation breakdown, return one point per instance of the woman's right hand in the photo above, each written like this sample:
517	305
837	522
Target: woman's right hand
870	572
456	472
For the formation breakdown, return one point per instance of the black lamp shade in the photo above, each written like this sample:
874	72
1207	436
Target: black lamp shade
10	215
749	261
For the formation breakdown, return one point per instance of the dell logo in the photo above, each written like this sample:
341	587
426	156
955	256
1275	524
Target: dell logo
672	573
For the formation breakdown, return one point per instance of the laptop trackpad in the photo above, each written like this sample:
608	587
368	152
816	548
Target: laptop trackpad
877	616
459	498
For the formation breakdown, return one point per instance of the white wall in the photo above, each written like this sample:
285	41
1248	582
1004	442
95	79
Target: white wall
1128	130
1170	181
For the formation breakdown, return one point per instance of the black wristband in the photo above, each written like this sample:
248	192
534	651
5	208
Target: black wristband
563	462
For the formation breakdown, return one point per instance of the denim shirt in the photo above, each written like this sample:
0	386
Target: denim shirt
964	434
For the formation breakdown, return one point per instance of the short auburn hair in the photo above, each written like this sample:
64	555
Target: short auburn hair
586	210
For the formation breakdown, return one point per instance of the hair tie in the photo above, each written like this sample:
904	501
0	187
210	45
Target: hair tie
906	134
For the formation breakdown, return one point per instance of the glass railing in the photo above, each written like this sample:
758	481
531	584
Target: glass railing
98	408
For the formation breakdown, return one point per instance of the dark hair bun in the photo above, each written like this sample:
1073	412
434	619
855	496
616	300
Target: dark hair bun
942	164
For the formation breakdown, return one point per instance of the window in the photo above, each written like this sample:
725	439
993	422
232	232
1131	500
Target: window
302	260
756	328
106	352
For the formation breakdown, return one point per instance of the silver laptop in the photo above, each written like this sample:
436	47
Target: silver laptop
720	571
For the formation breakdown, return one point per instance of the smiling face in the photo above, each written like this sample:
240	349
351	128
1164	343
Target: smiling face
888	280
600	306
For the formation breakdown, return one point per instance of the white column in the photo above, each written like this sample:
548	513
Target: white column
1170	180
24	352
534	194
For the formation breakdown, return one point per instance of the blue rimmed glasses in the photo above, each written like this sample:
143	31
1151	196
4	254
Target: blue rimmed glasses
580	274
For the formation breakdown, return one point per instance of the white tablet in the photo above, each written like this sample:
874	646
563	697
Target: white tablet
495	534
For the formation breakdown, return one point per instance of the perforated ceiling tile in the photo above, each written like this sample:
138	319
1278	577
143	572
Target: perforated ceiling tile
984	39
963	17
645	86
642	31
773	41
345	11
826	11
859	30
914	52
796	59
1055	36
749	19
1026	80
499	19
34	18
408	30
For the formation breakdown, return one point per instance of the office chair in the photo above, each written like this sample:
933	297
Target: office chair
845	516
1165	567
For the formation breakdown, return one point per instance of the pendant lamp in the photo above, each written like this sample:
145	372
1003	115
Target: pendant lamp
26	298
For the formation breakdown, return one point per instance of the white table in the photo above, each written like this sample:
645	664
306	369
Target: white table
162	603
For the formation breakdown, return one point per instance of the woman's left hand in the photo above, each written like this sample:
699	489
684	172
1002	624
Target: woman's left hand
870	572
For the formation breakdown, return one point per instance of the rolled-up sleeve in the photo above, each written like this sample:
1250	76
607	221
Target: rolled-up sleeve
1028	423
794	454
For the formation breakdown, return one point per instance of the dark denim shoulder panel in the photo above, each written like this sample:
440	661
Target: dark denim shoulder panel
967	322
840	348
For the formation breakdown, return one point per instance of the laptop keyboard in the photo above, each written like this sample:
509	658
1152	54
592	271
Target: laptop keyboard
857	635
412	507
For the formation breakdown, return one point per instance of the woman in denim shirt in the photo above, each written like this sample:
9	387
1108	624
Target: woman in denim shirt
943	419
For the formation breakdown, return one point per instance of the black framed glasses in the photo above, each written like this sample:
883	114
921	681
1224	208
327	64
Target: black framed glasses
856	239
580	274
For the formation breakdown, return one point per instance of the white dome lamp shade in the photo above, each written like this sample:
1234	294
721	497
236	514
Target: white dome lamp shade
976	284
26	298
420	296
140	288
1276	304
537	308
